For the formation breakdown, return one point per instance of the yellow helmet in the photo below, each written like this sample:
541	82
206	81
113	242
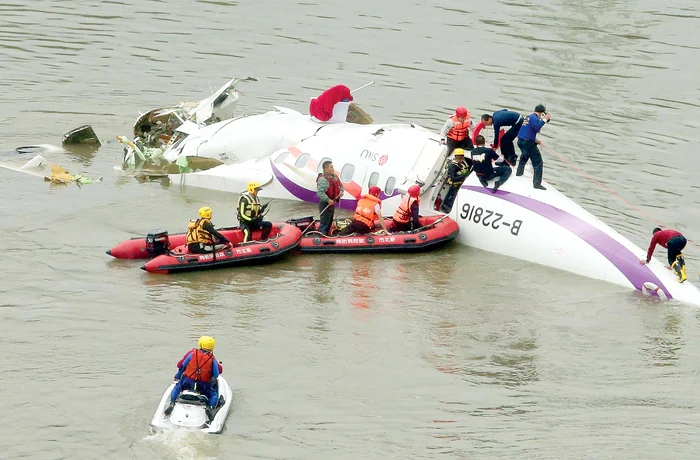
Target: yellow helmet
253	186
205	212
457	152
206	343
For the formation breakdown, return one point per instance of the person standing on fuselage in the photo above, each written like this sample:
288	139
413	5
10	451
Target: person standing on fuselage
482	163
498	120
528	142
329	189
455	131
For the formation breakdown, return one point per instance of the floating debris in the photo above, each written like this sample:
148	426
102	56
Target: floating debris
82	135
60	175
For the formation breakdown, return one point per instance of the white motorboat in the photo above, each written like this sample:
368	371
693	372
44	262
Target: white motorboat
189	411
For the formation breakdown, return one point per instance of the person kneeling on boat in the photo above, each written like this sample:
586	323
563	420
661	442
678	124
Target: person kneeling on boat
406	217
250	213
198	371
482	159
367	211
201	234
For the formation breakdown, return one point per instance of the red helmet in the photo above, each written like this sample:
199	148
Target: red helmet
414	191
461	112
374	190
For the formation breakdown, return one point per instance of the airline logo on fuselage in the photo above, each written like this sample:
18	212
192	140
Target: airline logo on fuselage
374	156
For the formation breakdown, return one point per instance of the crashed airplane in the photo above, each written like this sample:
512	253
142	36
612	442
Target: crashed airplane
284	149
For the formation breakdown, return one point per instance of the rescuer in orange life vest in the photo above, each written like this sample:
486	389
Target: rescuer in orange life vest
198	371
456	131
367	211
407	214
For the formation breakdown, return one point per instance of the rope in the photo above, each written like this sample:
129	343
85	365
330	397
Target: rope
612	192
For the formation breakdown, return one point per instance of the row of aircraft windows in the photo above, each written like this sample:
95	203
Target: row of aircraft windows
346	172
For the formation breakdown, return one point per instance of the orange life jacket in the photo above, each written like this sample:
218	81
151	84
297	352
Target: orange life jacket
200	366
461	128
196	232
364	212
403	213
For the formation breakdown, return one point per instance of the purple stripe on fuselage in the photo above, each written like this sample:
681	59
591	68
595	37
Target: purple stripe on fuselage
310	196
611	249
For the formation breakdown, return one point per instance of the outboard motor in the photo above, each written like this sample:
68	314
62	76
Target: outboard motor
303	223
157	243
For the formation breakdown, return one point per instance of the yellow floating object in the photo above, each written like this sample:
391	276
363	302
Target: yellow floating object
60	175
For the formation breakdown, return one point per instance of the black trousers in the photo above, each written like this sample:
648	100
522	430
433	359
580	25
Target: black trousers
357	227
506	143
675	247
452	144
404	226
529	151
199	248
449	200
248	228
502	172
327	213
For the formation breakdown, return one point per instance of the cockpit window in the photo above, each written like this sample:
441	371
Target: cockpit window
390	186
302	160
347	172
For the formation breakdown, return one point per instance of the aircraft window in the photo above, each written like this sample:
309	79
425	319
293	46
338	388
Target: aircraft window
302	160
390	186
320	165
347	172
280	158
373	179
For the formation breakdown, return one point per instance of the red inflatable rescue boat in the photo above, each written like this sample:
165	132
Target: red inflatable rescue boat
283	238
159	242
435	231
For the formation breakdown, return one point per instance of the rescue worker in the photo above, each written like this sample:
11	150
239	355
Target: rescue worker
455	131
528	142
498	120
250	212
482	159
457	173
673	240
406	217
480	126
369	209
201	234
198	372
329	189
